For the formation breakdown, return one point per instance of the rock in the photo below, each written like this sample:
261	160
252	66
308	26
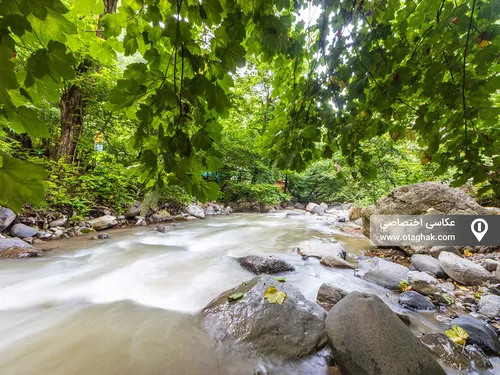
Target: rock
59	222
420	199
427	263
209	211
226	211
324	206
463	270
444	349
272	210
16	248
382	272
480	333
22	231
368	338
294	329
318	210
319	249
196	211
489	305
310	206
335	262
161	216
329	295
477	356
355	213
423	282
103	236
299	206
259	264
436	250
491	265
448	287
133	211
291	214
7	217
102	222
29	240
415	301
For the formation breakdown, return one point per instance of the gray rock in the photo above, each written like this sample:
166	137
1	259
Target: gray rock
272	210
329	295
22	231
368	338
491	265
382	272
16	248
323	205
133	211
489	305
259	264
415	301
423	282
196	211
318	210
7	217
335	262
427	263
310	206
58	222
477	356
161	216
463	270
299	206
420	199
355	213
103	236
445	350
448	287
209	211
292	214
480	333
436	250
103	222
292	330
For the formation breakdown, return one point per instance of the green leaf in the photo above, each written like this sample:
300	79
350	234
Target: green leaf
8	79
26	120
235	296
281	279
274	296
21	182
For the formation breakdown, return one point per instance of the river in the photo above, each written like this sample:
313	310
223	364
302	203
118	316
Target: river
126	305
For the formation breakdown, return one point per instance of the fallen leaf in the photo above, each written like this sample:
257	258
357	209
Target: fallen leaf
483	43
403	285
273	295
281	279
458	335
235	296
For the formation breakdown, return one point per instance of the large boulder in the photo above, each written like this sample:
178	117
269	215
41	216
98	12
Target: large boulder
103	222
259	264
7	217
368	338
329	295
419	199
310	206
382	272
444	349
423	282
427	263
415	301
22	231
16	248
463	270
489	305
196	211
318	210
480	333
293	329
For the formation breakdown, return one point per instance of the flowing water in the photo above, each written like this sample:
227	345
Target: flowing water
126	306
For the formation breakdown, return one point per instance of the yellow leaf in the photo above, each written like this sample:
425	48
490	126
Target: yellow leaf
483	43
458	335
341	84
273	295
461	287
467	253
362	115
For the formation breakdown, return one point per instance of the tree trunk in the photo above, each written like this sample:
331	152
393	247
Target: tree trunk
73	104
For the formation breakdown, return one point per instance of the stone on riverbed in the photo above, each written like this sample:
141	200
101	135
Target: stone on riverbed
16	248
367	337
382	272
463	270
196	211
329	295
7	217
415	301
480	333
444	349
489	305
318	249
103	222
335	262
259	264
22	231
291	330
423	283
427	263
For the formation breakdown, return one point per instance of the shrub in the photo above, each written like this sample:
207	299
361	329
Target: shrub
257	193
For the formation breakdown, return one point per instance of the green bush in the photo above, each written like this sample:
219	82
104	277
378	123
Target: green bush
257	193
174	197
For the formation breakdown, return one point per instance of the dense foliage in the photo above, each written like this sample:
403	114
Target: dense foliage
232	94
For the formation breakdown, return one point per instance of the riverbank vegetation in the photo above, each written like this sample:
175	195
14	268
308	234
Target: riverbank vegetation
104	103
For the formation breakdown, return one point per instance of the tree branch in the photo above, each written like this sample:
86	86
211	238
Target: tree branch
464	104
